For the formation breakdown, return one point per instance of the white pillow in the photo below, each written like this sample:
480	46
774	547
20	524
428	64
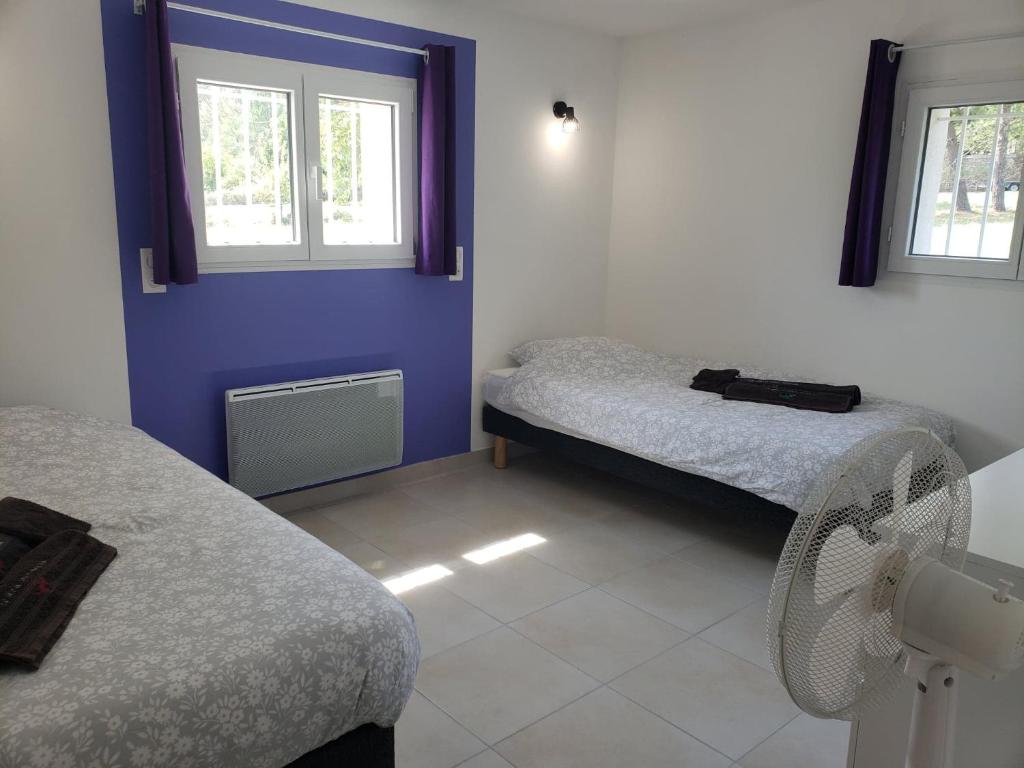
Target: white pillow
535	350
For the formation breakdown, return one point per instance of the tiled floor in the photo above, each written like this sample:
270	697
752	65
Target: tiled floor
631	637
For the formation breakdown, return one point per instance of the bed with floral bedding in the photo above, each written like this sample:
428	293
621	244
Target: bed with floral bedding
637	402
220	636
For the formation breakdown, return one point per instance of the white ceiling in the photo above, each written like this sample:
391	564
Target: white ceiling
635	17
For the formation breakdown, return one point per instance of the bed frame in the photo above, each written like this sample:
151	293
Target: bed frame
368	746
735	502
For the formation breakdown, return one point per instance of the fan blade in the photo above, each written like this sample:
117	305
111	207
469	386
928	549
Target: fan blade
833	662
901	485
844	563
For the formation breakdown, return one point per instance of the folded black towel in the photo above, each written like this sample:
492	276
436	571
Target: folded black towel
33	523
777	393
852	391
711	380
40	594
47	565
12	549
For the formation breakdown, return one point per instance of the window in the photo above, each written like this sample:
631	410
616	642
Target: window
300	167
957	208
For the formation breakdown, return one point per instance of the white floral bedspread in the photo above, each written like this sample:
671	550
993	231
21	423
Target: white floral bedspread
640	402
220	636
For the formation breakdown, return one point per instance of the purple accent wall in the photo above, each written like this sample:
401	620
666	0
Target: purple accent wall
187	346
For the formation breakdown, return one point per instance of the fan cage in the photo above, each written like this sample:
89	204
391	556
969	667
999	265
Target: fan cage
831	636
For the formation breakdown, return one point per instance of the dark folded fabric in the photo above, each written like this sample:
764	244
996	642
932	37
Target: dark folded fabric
710	380
774	393
12	549
852	391
33	523
40	594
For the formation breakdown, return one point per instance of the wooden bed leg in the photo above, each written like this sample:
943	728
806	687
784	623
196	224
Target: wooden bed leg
500	452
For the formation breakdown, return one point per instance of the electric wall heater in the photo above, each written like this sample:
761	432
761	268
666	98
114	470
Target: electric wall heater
300	433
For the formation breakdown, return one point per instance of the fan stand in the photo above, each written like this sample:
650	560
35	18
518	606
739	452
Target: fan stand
934	719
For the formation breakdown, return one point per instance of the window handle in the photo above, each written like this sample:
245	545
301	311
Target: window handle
321	190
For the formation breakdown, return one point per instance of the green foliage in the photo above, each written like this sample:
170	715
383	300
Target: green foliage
981	139
245	137
340	151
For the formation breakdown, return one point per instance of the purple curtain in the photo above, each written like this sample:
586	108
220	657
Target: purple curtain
174	240
436	252
867	190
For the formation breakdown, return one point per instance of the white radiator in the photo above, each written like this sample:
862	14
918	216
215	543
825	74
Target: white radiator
300	433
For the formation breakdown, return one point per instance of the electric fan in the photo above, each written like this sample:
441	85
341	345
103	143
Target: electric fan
868	589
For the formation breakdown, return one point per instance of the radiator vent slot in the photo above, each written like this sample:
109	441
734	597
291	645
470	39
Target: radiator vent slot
301	433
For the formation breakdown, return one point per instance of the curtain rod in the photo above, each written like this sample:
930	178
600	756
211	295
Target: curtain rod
140	8
940	43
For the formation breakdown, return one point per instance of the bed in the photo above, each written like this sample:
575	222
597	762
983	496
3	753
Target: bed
630	411
220	636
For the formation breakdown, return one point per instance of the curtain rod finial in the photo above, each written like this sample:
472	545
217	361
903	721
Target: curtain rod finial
892	51
139	6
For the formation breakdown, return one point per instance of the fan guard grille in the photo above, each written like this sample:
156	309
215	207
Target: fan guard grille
891	499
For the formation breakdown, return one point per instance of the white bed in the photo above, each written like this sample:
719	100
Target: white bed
220	636
640	402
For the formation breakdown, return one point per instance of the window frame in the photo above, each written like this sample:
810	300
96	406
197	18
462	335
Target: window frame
907	165
360	86
305	83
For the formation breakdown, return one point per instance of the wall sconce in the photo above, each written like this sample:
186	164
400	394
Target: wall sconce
567	115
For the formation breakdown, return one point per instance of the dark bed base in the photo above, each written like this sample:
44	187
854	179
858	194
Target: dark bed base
368	746
700	490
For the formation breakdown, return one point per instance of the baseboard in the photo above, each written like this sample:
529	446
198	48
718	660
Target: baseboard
382	481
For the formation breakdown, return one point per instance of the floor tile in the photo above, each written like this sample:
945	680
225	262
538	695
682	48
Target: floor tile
594	553
488	501
500	682
444	620
426	737
504	518
804	743
436	541
325	529
656	525
513	586
380	514
599	634
372	560
746	560
606	730
571	490
488	759
689	597
721	699
743	634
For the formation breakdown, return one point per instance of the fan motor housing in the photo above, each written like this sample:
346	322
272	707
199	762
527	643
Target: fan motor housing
965	622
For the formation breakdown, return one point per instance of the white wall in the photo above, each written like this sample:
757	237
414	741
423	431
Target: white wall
734	151
542	202
61	321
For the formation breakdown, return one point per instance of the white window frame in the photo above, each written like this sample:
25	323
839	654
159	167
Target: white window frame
360	86
905	167
305	83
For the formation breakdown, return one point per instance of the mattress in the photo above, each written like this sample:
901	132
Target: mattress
640	402
221	635
493	383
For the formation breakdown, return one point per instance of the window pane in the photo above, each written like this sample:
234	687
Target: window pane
357	154
247	165
969	181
